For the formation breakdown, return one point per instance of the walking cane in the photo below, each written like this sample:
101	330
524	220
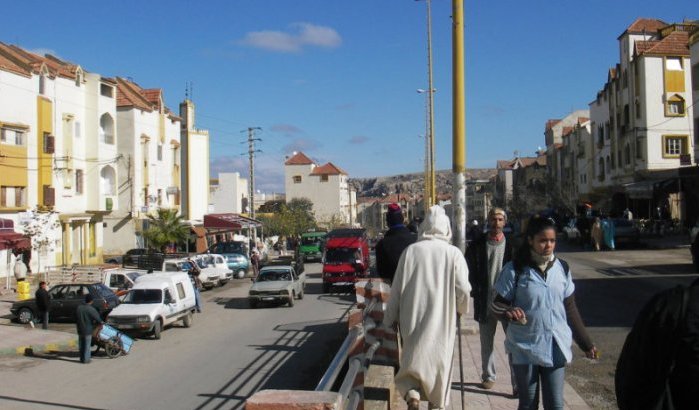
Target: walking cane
461	361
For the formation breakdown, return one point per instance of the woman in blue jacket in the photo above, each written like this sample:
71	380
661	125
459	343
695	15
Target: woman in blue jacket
536	293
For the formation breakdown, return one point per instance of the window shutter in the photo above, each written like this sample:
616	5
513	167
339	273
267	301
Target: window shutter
49	196
49	146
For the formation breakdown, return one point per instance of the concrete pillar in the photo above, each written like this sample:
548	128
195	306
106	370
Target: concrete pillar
294	400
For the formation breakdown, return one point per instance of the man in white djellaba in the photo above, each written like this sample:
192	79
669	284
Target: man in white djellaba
429	288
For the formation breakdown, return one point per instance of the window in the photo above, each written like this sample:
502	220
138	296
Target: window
12	136
107	129
79	181
180	290
695	77
77	129
625	79
160	197
106	91
601	168
160	152
673	64
674	106
639	149
323	178
297	179
674	145
13	197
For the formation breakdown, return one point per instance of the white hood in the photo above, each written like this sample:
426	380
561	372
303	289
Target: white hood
129	309
436	225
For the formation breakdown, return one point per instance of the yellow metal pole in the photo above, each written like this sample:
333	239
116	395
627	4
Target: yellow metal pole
458	126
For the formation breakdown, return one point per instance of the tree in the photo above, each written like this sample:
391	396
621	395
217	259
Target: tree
41	228
290	219
166	228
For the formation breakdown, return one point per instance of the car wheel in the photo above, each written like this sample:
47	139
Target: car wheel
291	300
240	274
221	283
157	328
301	294
187	321
25	315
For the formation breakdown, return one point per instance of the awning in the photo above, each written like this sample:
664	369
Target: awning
9	239
230	222
640	190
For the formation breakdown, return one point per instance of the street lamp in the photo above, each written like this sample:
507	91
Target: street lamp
430	182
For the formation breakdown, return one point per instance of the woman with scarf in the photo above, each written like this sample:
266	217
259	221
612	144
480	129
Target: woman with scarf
535	292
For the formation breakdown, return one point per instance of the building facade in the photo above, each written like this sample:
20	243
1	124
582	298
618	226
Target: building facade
229	193
326	186
195	165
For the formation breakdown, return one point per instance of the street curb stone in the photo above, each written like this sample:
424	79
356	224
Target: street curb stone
28	350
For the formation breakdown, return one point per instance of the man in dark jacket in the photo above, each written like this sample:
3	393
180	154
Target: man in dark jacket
485	257
86	317
397	238
43	303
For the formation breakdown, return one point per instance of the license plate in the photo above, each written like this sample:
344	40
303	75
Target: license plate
268	298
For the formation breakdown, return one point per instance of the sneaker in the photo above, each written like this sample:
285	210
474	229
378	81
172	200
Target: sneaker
487	384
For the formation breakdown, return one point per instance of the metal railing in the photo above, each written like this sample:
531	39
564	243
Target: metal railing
351	397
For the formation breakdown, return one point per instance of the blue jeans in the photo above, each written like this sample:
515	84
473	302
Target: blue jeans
552	380
84	343
197	299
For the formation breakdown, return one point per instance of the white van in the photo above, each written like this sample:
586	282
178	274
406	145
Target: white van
156	300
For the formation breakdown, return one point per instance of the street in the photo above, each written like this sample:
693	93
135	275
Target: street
611	288
230	352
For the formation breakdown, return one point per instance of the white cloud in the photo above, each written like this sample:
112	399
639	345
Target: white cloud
298	37
301	144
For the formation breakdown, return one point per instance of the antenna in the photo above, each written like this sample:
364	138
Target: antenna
186	90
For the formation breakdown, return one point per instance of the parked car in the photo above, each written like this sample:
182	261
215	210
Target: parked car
65	299
155	301
626	231
235	255
694	240
129	257
570	230
280	284
214	266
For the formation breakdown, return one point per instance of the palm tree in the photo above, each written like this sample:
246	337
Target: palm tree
166	228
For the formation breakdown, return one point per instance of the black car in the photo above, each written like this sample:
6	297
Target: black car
65	300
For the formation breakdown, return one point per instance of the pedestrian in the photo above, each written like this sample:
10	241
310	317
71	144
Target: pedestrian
86	318
429	289
597	234
43	303
535	292
608	228
194	272
485	258
474	232
658	368
391	246
255	261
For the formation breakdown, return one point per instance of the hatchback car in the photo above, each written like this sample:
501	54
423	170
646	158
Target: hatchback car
65	300
234	252
277	284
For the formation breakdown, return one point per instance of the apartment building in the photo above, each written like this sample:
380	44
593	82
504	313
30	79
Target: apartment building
325	185
229	193
641	120
57	151
149	170
195	165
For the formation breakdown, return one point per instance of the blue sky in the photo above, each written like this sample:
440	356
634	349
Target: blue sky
338	79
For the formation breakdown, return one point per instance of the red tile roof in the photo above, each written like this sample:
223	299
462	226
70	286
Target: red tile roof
130	94
299	159
10	64
328	169
646	25
674	44
582	120
153	95
567	131
505	164
23	62
551	123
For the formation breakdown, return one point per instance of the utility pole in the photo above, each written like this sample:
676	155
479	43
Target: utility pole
458	126
430	178
251	156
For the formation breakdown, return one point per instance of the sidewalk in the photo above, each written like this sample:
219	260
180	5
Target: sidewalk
15	339
500	397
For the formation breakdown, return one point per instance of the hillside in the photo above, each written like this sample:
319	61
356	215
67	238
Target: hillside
407	183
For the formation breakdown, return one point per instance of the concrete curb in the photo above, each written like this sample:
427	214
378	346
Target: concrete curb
29	349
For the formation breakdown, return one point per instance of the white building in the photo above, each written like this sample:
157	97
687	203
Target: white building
59	142
326	186
228	193
641	119
694	57
195	165
149	172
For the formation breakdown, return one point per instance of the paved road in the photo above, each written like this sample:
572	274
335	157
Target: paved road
611	288
230	352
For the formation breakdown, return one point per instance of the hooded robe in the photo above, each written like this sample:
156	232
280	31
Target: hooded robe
429	288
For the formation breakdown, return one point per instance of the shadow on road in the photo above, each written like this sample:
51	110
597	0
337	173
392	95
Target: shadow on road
616	302
47	403
665	269
475	388
294	360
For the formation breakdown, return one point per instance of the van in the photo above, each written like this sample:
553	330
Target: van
155	301
345	258
311	247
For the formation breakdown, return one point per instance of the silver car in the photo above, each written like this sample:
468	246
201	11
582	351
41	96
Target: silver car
277	284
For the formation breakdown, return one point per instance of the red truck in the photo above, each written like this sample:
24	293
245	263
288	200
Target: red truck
345	258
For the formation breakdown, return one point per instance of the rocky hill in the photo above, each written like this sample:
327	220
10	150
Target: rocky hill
413	183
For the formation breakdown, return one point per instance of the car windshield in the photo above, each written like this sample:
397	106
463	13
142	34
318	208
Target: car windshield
311	241
274	275
229	247
341	255
134	275
139	296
